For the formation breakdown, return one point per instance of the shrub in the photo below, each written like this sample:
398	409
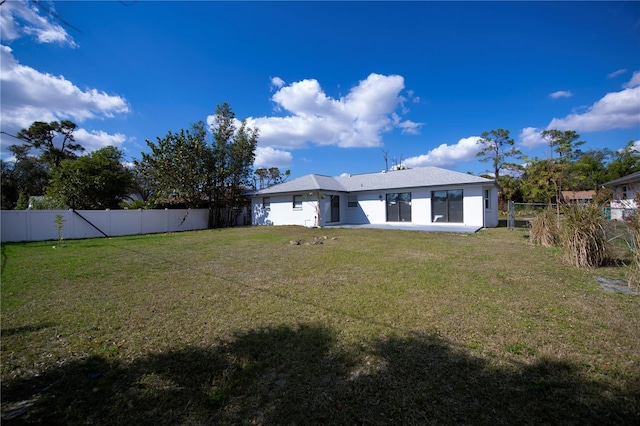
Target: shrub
583	236
134	205
544	228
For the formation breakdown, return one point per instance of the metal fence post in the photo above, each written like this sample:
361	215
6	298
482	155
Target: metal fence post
511	215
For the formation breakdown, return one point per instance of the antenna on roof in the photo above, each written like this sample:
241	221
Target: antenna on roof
386	159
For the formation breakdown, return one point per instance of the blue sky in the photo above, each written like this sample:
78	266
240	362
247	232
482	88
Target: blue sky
331	86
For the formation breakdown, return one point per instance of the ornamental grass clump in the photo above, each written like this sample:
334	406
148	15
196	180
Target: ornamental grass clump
633	223
544	228
583	237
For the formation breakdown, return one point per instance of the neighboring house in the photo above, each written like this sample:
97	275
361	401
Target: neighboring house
578	197
420	196
625	190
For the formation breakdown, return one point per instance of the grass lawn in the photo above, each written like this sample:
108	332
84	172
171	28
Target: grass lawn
238	326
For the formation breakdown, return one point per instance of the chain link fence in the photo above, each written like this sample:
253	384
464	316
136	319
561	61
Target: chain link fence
617	231
520	215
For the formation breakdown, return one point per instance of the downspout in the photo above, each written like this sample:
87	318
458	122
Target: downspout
484	210
482	206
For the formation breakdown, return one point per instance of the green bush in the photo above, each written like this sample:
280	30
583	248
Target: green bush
134	205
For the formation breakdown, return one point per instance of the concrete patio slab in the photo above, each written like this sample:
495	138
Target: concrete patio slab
412	227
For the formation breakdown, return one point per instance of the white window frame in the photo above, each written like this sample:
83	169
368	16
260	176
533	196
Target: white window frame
352	201
266	203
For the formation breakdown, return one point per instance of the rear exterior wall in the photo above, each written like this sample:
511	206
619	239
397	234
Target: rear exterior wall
370	208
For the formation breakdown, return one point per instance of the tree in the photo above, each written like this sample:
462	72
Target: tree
177	169
43	136
562	143
539	181
241	157
264	178
141	185
511	188
94	181
23	202
588	171
497	147
233	154
625	162
26	175
8	192
184	168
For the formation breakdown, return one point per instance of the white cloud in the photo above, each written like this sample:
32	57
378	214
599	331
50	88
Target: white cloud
277	82
636	146
414	99
29	95
270	157
409	127
447	155
356	120
617	73
635	81
19	18
212	122
616	110
96	139
530	137
561	94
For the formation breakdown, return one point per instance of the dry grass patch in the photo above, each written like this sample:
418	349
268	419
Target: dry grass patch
544	228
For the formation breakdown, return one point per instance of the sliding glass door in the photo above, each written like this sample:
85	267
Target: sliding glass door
399	207
446	206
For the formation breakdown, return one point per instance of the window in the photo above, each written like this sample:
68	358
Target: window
266	203
297	201
624	192
352	201
487	199
446	206
399	207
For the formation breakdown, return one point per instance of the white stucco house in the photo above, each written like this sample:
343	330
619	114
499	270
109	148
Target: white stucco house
625	190
428	196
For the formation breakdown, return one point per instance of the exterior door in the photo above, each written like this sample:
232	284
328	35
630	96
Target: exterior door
399	207
446	206
335	208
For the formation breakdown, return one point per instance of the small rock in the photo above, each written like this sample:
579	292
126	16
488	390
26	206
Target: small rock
613	285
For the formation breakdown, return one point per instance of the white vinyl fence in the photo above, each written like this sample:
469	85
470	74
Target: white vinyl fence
39	225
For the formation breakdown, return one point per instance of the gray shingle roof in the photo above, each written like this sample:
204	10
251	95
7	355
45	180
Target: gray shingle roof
411	178
633	177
